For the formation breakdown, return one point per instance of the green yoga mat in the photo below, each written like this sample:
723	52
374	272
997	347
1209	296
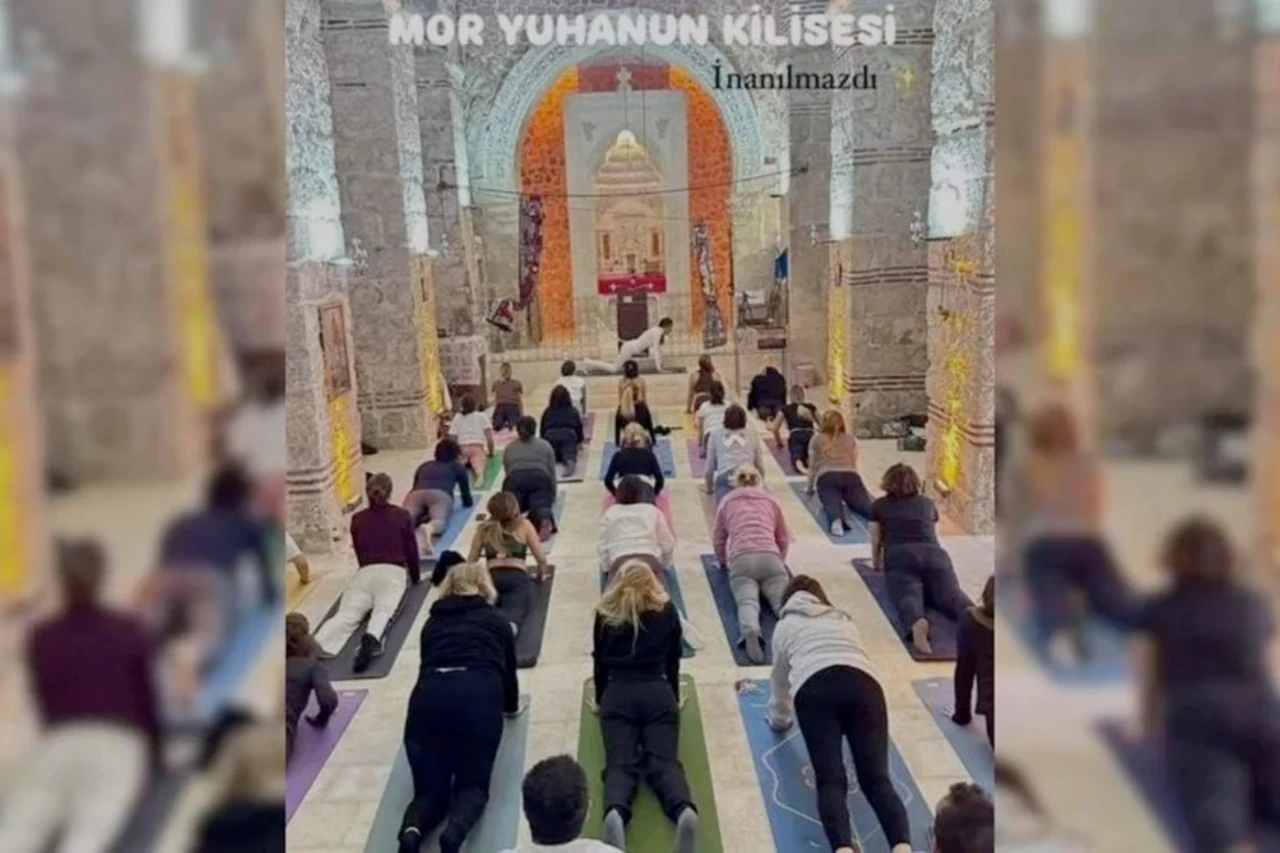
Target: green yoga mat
650	831
492	471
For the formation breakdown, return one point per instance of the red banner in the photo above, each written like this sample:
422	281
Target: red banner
654	282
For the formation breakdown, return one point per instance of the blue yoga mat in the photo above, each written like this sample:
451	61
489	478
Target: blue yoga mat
1108	662
970	742
498	826
662	449
786	779
457	520
727	607
942	631
235	661
673	590
856	535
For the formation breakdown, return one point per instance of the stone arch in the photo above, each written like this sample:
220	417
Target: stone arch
494	141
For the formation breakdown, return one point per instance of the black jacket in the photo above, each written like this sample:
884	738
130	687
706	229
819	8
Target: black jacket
566	418
621	653
633	460
466	631
768	387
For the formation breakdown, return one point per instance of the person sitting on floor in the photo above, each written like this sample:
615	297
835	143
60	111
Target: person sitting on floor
556	801
751	540
700	382
768	392
431	498
730	448
964	821
505	540
91	682
508	399
633	406
304	674
575	385
466	683
800	419
387	556
633	528
710	416
833	473
472	430
1208	691
563	429
530	466
904	545
822	677
636	648
976	661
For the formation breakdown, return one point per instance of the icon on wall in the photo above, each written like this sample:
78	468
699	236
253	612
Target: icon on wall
333	345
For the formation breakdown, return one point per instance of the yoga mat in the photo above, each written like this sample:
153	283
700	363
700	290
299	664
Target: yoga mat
312	747
786	780
234	663
673	589
942	631
529	640
782	456
970	742
589	426
397	632
151	814
697	465
727	607
579	472
498	826
457	520
650	831
492	471
557	510
1109	660
662	449
856	535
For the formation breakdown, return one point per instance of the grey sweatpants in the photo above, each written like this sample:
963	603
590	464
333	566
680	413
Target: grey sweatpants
752	575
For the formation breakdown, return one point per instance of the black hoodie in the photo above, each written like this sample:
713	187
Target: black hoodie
768	387
467	631
622	653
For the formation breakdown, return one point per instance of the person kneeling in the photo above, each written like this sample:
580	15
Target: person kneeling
634	529
466	683
637	646
505	540
556	802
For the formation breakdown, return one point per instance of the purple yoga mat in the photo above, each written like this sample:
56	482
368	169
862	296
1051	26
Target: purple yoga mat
313	746
696	463
783	456
942	631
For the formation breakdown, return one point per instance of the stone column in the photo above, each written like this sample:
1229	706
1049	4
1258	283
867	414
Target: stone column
1265	472
961	303
126	338
323	426
23	529
378	151
884	261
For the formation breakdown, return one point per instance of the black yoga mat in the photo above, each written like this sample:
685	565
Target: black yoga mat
397	632
529	640
942	631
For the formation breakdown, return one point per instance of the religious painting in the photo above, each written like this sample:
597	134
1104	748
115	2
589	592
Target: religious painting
713	325
629	221
333	344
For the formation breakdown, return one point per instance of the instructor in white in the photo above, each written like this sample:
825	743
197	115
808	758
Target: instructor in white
649	342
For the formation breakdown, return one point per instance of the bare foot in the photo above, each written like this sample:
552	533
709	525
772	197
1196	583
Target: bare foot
920	636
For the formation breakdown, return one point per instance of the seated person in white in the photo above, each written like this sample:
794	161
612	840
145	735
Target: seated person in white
386	547
648	342
633	529
710	415
556	802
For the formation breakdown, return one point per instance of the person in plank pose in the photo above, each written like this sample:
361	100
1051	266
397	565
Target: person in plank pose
649	342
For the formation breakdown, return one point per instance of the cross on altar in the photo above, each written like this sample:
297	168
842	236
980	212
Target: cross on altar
624	79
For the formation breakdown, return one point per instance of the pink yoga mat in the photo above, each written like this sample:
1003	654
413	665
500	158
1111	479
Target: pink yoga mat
696	463
663	503
313	746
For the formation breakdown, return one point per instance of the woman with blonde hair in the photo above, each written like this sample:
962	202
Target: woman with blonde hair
466	683
505	540
636	649
833	473
633	406
751	541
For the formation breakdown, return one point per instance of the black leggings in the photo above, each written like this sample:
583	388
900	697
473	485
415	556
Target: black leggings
840	489
843	703
515	593
798	446
565	443
451	739
920	575
1058	565
535	491
643	416
640	721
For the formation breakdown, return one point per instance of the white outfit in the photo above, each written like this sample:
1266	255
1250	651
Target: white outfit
710	416
255	437
291	549
650	342
810	637
577	388
635	529
578	845
81	780
470	429
375	591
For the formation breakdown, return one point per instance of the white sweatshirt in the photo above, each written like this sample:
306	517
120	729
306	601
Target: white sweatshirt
578	845
810	637
647	342
635	529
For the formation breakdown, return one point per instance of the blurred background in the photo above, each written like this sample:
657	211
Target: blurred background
141	424
1138	176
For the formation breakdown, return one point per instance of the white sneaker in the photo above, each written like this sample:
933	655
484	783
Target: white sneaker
837	529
